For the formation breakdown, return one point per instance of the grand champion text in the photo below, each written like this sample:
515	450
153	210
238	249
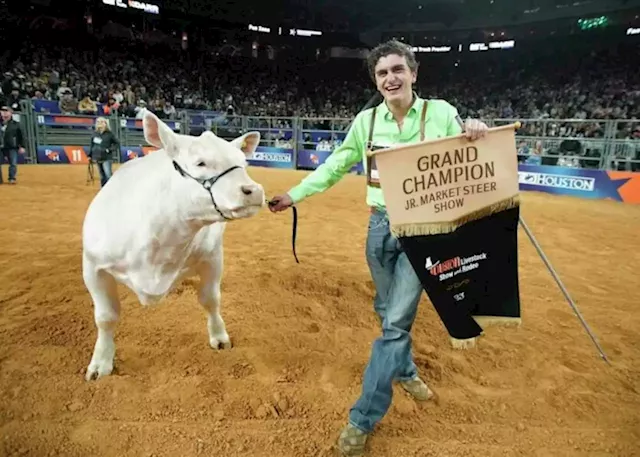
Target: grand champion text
465	169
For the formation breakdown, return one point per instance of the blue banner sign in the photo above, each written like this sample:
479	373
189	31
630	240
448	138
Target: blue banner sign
622	186
310	159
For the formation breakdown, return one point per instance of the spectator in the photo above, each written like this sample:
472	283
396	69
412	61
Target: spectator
13	100
104	145
141	109
111	107
12	142
87	106
68	103
535	155
126	110
169	111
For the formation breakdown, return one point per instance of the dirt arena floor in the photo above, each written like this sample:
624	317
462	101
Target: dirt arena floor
302	336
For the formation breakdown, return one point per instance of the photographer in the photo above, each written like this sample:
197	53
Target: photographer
103	145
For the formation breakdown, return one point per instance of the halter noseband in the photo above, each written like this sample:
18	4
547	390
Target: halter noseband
207	183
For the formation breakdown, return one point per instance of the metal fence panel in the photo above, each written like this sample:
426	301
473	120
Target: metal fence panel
586	143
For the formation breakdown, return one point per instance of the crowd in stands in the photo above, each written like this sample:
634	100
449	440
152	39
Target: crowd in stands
596	86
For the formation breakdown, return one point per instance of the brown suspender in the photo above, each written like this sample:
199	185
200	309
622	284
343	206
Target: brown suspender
371	162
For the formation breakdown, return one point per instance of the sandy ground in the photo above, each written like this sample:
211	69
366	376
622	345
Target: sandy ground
302	336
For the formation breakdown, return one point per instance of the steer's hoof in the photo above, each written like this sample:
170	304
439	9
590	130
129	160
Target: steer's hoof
220	344
97	370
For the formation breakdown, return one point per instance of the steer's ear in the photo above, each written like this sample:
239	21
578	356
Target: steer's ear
247	143
158	134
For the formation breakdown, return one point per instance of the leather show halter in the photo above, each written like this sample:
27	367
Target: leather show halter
208	184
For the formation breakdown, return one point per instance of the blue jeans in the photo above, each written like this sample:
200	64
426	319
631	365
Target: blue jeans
398	291
12	155
105	171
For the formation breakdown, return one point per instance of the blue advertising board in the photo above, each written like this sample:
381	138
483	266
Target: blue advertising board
311	159
88	122
620	186
272	157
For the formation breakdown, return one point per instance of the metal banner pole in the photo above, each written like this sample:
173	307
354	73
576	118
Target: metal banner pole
554	275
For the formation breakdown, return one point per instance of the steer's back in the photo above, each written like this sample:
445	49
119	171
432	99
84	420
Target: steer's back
117	216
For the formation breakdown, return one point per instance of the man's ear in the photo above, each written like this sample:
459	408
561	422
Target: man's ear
158	134
247	143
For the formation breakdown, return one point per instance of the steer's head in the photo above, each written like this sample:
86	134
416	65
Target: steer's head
207	166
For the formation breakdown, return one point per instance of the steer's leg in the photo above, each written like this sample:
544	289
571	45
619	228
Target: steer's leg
106	309
209	296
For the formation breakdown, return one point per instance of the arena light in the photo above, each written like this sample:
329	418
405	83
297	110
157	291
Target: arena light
477	47
259	28
135	4
431	48
591	23
502	44
302	32
507	44
633	31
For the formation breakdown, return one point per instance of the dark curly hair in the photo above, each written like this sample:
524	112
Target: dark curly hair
390	47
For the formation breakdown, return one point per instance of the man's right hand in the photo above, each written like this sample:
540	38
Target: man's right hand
280	203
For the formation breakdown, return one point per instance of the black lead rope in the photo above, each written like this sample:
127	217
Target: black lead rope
208	184
295	227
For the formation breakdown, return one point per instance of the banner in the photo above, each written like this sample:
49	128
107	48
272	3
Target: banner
89	121
454	206
311	159
622	186
135	152
272	157
263	157
63	154
67	120
136	124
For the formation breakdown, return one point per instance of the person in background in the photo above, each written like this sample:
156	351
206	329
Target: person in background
141	109
103	145
68	103
11	142
535	156
111	107
169	110
399	119
13	100
88	106
126	110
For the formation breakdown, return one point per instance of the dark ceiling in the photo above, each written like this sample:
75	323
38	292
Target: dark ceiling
358	16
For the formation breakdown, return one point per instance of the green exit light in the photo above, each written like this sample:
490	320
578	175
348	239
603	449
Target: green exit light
586	24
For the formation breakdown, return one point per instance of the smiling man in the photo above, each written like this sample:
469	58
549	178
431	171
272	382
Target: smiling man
403	117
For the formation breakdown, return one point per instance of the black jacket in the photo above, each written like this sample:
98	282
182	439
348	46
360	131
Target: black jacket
12	137
103	146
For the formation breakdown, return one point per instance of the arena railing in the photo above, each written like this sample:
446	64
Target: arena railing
586	143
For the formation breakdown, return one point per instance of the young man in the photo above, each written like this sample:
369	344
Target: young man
403	117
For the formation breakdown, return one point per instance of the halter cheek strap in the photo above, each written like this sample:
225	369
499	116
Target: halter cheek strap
206	183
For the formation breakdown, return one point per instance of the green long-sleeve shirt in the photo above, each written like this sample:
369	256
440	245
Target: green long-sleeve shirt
440	122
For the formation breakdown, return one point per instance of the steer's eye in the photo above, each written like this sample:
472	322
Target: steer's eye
201	164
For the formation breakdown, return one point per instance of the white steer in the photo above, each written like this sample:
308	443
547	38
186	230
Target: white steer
160	219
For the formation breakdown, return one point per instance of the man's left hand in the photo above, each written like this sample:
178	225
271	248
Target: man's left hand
21	150
474	129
